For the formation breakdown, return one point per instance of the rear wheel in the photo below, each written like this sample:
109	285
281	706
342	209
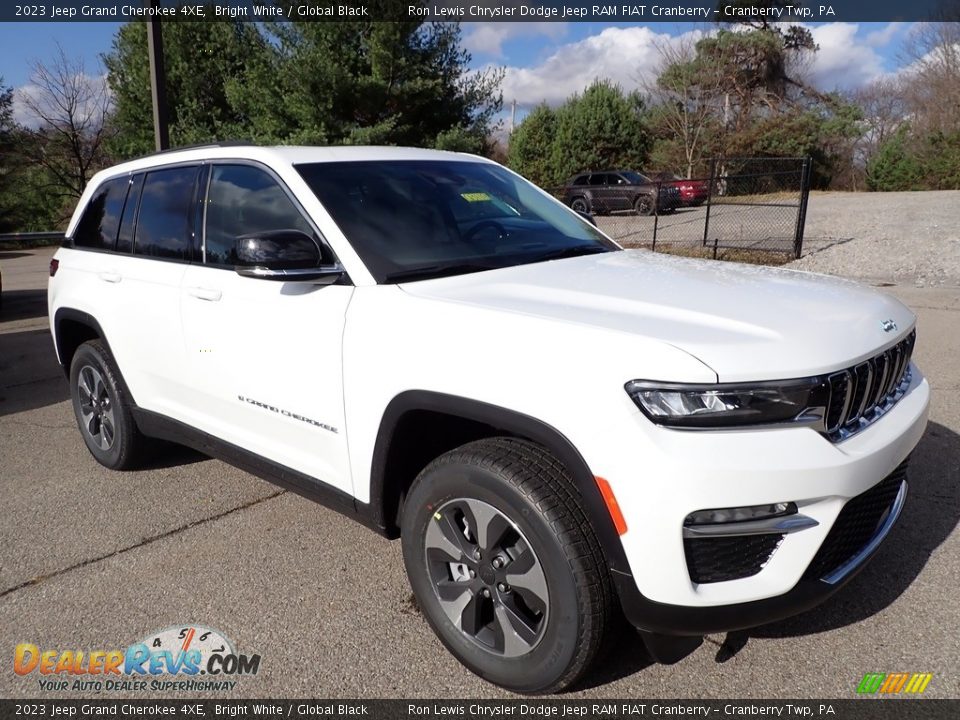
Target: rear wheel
102	409
505	565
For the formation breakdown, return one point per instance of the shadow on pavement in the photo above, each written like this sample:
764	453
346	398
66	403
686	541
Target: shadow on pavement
14	254
23	304
30	376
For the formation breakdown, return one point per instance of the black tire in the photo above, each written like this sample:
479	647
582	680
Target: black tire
644	205
580	204
524	484
102	409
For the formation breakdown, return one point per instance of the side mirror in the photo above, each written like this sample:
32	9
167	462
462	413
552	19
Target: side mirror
587	216
285	255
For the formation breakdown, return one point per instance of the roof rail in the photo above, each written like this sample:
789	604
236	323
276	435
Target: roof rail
200	146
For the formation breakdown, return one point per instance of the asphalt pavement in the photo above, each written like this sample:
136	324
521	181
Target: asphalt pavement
93	559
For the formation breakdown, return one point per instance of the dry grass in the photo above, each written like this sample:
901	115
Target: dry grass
752	257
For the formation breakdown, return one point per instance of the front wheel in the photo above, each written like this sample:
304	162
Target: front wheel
580	205
505	565
643	205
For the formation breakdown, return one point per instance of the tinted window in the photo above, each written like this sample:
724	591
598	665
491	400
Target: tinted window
636	178
581	180
598	179
125	238
100	221
241	200
163	223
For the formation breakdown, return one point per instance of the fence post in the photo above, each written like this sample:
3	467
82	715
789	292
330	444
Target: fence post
706	220
802	210
716	241
656	215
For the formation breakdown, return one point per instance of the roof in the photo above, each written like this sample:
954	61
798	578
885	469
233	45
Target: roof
289	155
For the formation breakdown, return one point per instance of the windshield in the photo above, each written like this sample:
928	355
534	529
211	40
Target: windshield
636	178
411	220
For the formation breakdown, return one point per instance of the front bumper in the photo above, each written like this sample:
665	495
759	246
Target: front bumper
671	473
834	565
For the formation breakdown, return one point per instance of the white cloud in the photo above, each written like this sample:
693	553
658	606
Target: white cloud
627	56
882	38
22	115
844	61
488	38
90	89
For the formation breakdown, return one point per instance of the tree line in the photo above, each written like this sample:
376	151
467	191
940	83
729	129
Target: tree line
742	91
739	91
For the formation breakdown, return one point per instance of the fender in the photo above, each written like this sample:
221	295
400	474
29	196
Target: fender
67	313
512	423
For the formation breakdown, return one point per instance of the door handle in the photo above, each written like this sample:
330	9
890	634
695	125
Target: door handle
203	293
110	277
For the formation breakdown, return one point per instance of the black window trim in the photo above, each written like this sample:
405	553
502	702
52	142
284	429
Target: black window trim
199	209
136	213
323	243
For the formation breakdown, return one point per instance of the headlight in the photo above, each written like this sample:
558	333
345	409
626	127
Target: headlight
731	405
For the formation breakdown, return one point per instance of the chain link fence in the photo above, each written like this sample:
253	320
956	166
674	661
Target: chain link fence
743	206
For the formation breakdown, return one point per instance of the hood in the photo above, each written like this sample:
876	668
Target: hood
746	322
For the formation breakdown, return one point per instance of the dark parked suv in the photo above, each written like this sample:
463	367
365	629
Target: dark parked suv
611	191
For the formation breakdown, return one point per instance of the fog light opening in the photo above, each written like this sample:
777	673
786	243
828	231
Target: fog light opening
721	516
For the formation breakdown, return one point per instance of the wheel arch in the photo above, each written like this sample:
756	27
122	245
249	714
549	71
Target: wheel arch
393	468
72	328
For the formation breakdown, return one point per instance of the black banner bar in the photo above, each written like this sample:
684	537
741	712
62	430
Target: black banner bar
646	11
865	708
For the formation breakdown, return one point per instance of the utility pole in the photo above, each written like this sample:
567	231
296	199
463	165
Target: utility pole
513	115
158	80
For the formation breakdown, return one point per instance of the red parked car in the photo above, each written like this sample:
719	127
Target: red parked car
692	192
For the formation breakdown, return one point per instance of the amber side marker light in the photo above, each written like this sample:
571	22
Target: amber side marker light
613	507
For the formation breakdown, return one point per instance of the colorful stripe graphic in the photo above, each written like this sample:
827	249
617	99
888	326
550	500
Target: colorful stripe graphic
891	683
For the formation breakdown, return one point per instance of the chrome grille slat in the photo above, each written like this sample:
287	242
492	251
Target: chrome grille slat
883	368
895	373
861	394
861	384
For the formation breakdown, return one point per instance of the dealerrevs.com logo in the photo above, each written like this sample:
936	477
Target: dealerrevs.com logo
185	657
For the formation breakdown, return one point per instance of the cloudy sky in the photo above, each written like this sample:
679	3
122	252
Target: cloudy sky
544	61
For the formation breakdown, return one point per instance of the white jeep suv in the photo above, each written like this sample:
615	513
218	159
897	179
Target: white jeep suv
557	429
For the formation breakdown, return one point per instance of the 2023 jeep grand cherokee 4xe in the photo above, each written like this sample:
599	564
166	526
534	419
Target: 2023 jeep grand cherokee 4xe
558	429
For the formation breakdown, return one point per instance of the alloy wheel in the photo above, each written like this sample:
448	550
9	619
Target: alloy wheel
96	407
486	576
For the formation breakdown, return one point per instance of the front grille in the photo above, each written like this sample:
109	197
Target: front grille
861	394
717	559
856	524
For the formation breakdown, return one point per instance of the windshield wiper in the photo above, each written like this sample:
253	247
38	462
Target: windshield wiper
575	251
434	271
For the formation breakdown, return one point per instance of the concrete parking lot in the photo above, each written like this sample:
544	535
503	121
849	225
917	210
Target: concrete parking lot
91	559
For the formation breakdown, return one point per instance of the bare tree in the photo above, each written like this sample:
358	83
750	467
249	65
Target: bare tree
69	109
932	78
688	101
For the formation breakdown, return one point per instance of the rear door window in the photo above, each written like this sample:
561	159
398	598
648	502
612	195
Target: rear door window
163	221
99	223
